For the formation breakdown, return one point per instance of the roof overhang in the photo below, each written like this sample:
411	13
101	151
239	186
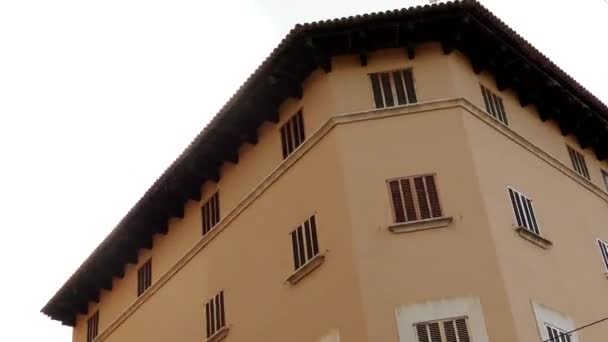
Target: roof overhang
465	26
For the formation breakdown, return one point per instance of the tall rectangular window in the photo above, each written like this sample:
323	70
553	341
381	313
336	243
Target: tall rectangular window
604	251
557	334
305	243
210	212
215	314
578	162
93	326
292	134
524	211
494	106
144	277
414	198
393	88
605	178
448	330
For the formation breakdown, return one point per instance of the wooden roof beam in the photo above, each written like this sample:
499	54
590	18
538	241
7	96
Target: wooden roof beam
321	59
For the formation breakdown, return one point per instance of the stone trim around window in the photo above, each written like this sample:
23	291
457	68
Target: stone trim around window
414	226
306	269
535	239
219	335
408	315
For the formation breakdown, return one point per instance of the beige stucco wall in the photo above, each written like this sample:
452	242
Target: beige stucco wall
456	261
569	276
369	272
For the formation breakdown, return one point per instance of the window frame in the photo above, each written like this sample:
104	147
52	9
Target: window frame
393	87
216	213
144	281
442	332
603	253
290	143
516	212
415	199
499	111
93	326
305	248
576	153
561	332
211	309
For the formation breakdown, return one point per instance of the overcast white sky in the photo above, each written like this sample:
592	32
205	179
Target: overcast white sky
98	97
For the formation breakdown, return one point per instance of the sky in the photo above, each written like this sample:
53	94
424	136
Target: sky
97	98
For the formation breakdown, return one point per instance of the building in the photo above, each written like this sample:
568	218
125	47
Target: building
415	175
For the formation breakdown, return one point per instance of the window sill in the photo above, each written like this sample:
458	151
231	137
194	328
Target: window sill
219	335
414	226
535	239
306	269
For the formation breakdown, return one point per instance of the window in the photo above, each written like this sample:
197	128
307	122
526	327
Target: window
388	86
414	198
605	178
557	335
578	162
494	105
292	134
524	211
214	313
92	326
304	242
144	277
604	250
450	330
211	213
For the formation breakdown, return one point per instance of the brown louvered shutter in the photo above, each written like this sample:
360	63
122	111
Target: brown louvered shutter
414	198
434	332
377	90
401	96
409	86
463	330
423	336
433	198
215	314
408	199
304	242
450	331
386	89
421	195
397	201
